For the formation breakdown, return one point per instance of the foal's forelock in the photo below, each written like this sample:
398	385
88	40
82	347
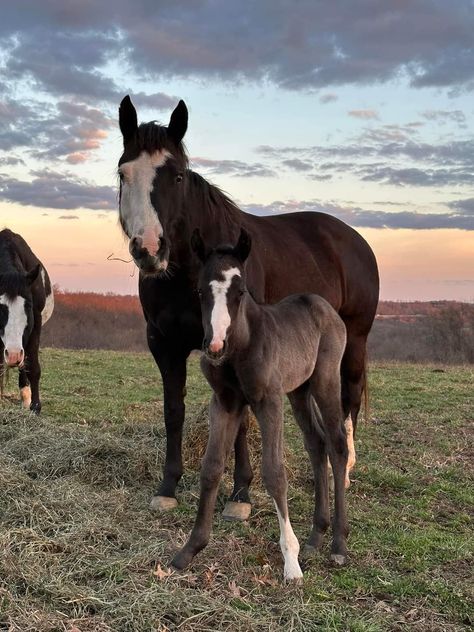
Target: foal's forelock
137	214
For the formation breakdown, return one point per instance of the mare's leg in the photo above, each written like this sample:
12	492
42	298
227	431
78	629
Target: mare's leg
32	366
224	421
353	376
172	365
25	389
269	413
301	403
238	506
326	389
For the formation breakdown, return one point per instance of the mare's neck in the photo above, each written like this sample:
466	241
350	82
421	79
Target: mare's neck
206	207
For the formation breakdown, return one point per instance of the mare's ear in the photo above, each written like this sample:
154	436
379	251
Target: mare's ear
178	122
197	245
127	119
242	248
32	275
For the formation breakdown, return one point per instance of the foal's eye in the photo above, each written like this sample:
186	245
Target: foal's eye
179	178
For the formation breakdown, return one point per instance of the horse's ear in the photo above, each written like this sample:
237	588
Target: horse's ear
197	245
32	275
178	122
242	248
127	119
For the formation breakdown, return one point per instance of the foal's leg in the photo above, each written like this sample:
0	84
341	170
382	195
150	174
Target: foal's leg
223	428
326	389
315	446
238	506
172	366
269	414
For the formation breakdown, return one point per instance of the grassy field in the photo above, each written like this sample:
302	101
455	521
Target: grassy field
80	550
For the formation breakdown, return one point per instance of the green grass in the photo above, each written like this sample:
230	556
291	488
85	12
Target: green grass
80	550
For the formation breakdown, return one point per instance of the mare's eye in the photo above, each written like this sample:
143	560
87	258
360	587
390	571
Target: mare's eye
179	178
199	292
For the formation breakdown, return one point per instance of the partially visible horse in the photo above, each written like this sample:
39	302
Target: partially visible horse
253	355
26	303
161	202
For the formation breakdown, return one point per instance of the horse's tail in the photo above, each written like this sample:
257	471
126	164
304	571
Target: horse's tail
316	418
366	390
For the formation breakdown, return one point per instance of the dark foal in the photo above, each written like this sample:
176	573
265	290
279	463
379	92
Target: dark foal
253	355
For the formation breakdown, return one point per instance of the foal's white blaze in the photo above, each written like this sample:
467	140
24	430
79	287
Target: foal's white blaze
49	304
136	210
12	336
220	317
290	548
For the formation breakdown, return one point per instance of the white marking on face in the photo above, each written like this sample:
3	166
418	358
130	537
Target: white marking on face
220	317
136	210
290	547
49	304
12	337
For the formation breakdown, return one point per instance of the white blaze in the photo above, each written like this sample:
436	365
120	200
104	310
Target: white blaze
12	337
136	210
290	548
220	317
49	304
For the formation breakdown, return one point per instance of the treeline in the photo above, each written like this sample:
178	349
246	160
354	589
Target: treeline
432	331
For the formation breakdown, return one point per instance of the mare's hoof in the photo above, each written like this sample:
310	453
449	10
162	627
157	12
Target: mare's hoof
181	560
338	559
163	503
236	511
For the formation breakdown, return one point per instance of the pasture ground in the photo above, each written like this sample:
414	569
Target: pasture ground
80	550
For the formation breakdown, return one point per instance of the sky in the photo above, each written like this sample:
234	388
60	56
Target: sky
359	108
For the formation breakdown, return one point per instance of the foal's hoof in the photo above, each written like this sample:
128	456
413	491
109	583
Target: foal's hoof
338	560
163	503
236	511
182	559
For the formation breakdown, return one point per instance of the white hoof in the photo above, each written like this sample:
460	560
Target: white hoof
337	559
25	394
293	573
163	503
236	511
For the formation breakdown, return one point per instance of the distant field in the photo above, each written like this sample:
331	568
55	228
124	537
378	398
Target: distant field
80	551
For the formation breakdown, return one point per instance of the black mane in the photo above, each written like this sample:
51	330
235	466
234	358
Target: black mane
205	195
152	136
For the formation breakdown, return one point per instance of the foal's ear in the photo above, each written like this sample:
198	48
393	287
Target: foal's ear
178	122
32	275
197	245
242	248
127	119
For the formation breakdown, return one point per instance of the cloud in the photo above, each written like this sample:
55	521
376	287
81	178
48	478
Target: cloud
232	167
363	114
445	116
465	206
49	189
329	97
365	218
66	51
68	217
298	165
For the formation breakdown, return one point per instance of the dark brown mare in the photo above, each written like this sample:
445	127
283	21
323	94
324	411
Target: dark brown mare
161	202
253	355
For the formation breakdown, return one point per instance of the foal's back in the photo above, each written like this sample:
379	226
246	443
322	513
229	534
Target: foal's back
294	333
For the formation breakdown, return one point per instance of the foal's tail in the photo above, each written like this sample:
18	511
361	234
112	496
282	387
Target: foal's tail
316	419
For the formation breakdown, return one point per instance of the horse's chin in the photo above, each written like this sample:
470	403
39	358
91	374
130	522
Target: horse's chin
153	266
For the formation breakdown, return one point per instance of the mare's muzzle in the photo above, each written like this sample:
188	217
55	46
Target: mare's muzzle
149	262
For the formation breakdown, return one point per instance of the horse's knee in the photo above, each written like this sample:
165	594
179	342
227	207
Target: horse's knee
211	472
